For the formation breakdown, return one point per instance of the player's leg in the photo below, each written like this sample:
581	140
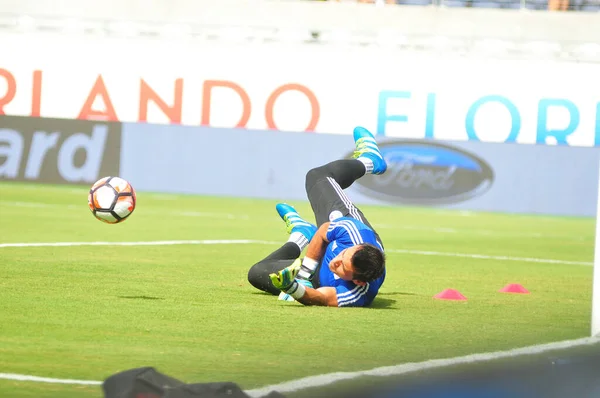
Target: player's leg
325	185
325	189
301	232
258	275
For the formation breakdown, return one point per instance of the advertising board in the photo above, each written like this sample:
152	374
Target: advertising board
321	89
58	151
512	178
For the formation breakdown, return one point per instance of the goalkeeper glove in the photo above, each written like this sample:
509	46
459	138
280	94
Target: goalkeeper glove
283	296
285	280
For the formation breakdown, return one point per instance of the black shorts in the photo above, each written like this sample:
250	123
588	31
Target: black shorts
329	202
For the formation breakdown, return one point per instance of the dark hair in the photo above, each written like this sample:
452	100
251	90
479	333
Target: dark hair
368	263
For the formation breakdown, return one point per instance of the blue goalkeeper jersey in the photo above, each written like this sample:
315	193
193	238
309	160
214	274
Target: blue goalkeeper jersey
343	233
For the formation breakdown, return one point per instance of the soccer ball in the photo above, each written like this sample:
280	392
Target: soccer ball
111	200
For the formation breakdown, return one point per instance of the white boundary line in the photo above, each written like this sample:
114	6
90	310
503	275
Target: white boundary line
147	243
230	216
485	232
489	257
35	205
323	380
330	378
266	242
37	379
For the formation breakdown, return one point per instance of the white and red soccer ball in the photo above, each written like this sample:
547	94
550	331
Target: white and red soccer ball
111	200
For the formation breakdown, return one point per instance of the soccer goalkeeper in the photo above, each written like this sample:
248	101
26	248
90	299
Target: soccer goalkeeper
344	264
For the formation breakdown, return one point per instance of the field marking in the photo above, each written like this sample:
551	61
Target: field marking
147	243
266	242
323	380
36	205
484	232
490	257
230	216
19	377
330	378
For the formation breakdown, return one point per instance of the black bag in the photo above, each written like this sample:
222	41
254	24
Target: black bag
147	382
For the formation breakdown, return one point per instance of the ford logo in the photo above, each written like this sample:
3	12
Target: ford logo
424	172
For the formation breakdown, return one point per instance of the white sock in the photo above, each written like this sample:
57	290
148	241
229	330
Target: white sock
308	268
368	164
298	239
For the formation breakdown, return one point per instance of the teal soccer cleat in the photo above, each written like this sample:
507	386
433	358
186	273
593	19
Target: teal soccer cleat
295	223
366	146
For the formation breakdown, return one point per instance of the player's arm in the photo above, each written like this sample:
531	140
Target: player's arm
325	296
317	246
314	252
285	280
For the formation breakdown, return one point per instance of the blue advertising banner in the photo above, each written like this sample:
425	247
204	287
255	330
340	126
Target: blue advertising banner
505	177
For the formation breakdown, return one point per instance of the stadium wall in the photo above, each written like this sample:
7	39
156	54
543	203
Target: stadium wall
514	178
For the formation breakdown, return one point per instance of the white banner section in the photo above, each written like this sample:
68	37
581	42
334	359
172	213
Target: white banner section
301	87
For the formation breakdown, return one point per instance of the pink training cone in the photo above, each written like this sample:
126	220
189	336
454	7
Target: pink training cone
450	294
514	288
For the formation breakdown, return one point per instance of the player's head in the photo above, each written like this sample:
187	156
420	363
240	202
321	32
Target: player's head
361	264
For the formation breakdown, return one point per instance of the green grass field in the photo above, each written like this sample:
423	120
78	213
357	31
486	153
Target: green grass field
86	312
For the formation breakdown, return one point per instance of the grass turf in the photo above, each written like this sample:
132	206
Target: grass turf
86	312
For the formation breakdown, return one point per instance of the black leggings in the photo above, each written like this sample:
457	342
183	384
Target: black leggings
325	190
